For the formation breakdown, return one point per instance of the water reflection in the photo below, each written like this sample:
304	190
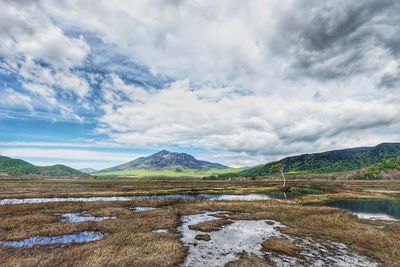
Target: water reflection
246	236
143	209
368	208
296	193
82	217
180	197
83	237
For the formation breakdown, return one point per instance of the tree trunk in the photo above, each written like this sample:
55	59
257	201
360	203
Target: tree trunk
283	176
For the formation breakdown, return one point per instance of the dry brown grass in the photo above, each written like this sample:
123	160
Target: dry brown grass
249	261
10	188
210	226
382	244
281	246
130	240
205	237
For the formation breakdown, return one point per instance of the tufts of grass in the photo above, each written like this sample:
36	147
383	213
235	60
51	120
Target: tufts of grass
130	240
205	237
210	226
281	246
246	260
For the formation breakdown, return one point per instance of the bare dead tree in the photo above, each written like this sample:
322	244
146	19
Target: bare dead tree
283	176
279	166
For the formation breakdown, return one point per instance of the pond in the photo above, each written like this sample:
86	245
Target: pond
180	197
375	209
83	237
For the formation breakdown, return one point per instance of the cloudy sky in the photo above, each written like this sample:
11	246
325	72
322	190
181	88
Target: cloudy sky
97	83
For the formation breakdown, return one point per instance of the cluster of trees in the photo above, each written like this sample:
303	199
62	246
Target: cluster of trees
374	171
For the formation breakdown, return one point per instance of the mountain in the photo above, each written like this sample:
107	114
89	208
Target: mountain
166	160
330	161
12	166
87	170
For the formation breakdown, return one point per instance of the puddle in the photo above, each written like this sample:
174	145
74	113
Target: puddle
181	197
232	240
373	209
326	253
375	217
83	237
226	244
161	231
143	209
82	217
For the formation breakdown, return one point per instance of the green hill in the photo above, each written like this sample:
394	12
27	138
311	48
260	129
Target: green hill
330	161
12	166
376	170
166	172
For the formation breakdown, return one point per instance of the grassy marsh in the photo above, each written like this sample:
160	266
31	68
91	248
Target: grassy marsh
131	241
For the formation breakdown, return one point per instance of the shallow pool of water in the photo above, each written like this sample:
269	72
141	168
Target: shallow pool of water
225	245
375	209
143	209
181	197
232	240
296	193
83	237
82	217
200	197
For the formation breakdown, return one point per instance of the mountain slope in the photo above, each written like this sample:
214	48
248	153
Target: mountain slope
381	169
330	161
20	167
166	160
87	170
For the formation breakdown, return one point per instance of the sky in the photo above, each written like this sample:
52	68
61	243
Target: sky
99	83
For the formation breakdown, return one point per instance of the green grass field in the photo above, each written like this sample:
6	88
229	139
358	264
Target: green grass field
137	173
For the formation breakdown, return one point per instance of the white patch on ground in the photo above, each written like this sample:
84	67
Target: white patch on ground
375	217
82	217
248	197
324	253
201	197
161	231
226	244
83	237
247	236
143	209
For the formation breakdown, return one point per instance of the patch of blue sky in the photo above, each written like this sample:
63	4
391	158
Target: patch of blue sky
46	129
7	79
29	128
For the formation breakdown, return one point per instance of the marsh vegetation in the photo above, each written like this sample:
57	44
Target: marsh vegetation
154	237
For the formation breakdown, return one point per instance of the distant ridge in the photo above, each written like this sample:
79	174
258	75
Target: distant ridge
331	161
12	166
87	170
166	160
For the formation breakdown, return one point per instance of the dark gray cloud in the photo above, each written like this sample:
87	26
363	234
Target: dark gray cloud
390	81
326	40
